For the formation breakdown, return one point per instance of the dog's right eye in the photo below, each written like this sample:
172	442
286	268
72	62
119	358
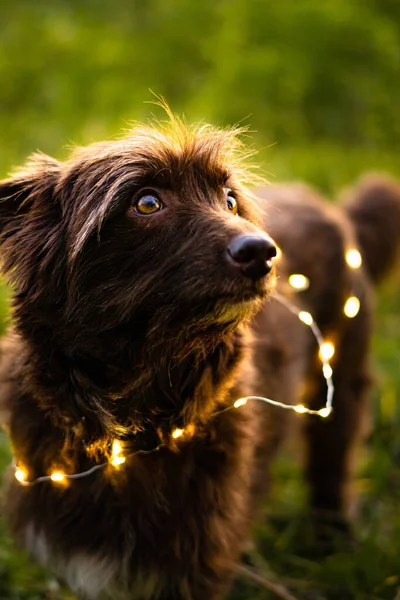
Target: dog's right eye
148	205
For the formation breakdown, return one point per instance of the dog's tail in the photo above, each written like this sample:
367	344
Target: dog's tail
373	206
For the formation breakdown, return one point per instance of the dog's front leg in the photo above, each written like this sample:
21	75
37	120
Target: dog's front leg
213	524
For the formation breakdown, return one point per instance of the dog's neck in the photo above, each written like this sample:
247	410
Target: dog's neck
160	394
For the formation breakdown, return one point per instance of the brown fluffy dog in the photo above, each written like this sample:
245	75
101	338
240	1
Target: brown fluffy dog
135	265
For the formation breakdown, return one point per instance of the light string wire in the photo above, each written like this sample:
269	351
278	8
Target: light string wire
60	477
298	282
327	371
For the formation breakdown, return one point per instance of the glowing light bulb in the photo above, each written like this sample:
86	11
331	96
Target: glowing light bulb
352	307
306	317
327	371
116	448
118	460
353	258
299	282
57	476
240	402
299	408
327	350
20	475
177	433
325	412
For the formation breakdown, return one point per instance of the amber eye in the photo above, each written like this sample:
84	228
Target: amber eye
148	205
231	202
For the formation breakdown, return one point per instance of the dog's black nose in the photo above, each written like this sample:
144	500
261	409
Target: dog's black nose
252	254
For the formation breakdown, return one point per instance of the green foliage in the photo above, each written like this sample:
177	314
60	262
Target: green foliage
318	83
304	72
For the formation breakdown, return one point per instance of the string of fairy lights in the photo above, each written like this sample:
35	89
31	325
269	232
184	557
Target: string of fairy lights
297	282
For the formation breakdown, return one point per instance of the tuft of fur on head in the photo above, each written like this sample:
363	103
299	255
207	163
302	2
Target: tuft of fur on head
373	205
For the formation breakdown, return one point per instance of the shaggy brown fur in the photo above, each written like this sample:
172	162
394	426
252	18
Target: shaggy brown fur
127	326
374	206
314	237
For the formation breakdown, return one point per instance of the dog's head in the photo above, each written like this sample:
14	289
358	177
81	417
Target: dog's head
154	237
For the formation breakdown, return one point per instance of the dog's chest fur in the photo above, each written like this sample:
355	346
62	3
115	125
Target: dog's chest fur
137	535
92	576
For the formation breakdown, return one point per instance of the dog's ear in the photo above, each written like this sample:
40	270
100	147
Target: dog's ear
35	178
27	210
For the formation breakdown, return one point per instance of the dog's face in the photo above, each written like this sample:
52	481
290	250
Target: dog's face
155	235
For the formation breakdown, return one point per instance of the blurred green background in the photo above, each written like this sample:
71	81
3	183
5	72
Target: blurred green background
318	83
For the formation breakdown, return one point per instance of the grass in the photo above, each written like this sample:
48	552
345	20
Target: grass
328	166
369	567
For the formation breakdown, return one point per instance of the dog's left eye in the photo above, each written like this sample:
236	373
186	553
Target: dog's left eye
148	205
231	202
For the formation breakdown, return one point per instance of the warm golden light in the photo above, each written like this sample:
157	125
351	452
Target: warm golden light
353	258
240	402
117	460
327	350
116	448
57	476
177	433
352	307
299	408
278	253
299	282
306	317
20	475
325	412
